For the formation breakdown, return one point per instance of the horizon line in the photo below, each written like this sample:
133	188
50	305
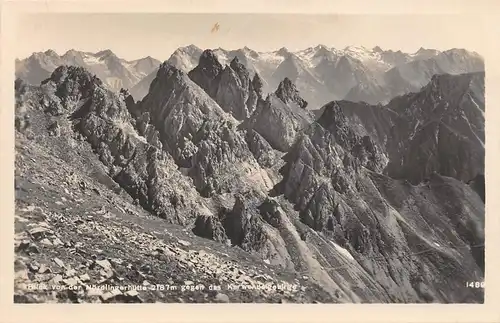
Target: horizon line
241	48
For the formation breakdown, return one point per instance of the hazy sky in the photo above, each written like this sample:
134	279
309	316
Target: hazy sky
132	36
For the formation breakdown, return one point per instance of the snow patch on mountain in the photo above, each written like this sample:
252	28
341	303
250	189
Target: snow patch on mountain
115	72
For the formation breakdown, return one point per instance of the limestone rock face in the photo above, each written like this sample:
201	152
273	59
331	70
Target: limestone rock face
231	86
336	175
439	129
288	93
102	118
279	123
201	137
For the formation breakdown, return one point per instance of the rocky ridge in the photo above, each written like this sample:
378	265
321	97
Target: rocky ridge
99	231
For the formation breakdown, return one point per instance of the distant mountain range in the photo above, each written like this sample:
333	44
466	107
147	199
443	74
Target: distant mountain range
320	73
115	72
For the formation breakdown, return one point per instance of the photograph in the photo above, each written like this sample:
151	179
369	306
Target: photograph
248	158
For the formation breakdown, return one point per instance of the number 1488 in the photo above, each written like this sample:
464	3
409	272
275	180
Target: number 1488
474	284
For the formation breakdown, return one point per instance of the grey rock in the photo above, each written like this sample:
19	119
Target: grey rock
84	278
288	93
184	243
59	262
105	264
279	123
70	281
210	227
265	155
207	72
39	232
34	267
202	138
44	269
109	296
222	298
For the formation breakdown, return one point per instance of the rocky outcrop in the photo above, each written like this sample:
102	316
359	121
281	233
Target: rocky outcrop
102	118
377	218
200	136
243	224
439	129
265	155
334	177
288	93
209	227
231	86
281	117
206	73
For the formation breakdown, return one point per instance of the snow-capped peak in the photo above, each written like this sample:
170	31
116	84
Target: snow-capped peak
113	71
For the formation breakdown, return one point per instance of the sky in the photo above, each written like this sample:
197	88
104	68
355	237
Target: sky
135	35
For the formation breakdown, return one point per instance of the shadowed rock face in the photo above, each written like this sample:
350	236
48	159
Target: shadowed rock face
439	129
231	86
478	185
288	93
103	120
335	176
346	201
201	137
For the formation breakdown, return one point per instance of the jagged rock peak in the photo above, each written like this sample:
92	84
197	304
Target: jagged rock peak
321	46
209	60
257	84
242	72
190	48
167	70
287	92
448	86
240	69
249	51
206	73
332	116
75	73
236	64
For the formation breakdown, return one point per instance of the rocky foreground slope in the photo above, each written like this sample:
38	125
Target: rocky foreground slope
206	180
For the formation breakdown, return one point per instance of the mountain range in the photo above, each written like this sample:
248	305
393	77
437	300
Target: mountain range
321	73
220	176
115	72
